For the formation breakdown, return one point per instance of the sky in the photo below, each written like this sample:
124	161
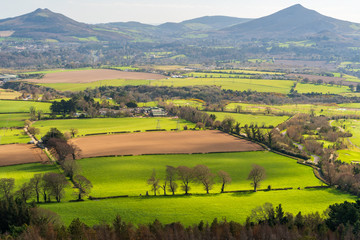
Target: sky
160	11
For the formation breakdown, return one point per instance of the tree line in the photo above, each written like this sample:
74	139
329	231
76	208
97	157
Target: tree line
200	174
27	222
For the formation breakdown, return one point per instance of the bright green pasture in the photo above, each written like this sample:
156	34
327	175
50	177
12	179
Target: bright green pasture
112	176
251	119
352	126
82	86
351	78
327	110
324	89
13	120
247	72
8	94
148	104
24	172
12	135
215	75
177	102
350	105
279	86
22	106
192	209
106	125
349	155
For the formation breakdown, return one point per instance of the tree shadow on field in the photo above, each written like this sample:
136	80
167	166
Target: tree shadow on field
243	194
40	168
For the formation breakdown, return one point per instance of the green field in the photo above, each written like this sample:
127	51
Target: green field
10	136
328	110
278	86
192	209
324	89
127	175
352	126
24	172
13	120
22	106
106	125
251	119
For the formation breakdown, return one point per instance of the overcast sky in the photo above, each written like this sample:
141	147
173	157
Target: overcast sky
160	11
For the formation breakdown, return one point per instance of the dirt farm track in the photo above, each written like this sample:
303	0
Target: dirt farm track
20	153
87	76
162	143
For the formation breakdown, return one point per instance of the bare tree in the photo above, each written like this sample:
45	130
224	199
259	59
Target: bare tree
224	179
74	131
171	174
84	185
33	130
56	183
204	176
154	182
186	175
25	192
35	183
256	175
7	187
71	168
32	111
39	114
163	186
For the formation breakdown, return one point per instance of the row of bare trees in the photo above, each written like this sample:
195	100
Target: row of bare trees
199	174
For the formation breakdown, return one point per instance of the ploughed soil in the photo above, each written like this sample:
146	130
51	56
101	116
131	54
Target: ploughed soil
162	143
21	153
87	76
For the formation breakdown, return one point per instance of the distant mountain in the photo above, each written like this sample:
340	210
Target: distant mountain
45	24
213	22
293	22
193	27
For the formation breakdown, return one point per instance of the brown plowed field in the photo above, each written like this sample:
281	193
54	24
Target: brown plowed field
162	143
86	76
20	153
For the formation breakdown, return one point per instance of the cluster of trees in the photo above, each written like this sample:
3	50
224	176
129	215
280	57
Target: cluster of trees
342	175
316	128
46	186
56	141
78	102
199	174
21	221
35	90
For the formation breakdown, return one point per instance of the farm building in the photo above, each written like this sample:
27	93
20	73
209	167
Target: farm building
158	112
7	77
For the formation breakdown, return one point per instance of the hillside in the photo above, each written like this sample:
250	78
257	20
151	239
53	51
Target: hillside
293	22
44	24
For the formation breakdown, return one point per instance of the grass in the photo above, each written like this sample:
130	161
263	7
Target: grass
328	110
349	155
278	86
22	106
248	119
13	120
192	209
324	89
24	172
10	136
352	126
128	175
101	125
114	176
